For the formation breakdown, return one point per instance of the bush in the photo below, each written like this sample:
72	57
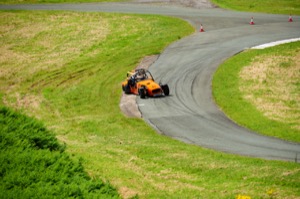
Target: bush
35	165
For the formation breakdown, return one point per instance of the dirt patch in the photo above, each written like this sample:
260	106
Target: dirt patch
128	102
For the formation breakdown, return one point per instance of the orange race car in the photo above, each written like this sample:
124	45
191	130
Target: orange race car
140	82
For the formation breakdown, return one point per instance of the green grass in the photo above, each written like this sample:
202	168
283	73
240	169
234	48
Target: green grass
265	6
232	99
66	69
53	1
35	165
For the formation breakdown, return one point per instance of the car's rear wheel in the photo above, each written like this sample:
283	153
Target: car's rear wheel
142	93
165	89
127	89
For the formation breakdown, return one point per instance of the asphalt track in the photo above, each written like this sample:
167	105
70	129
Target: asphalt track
189	113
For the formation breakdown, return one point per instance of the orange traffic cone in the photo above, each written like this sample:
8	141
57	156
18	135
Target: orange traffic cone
251	22
201	28
290	18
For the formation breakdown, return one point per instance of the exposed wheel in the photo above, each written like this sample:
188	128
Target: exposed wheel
142	93
165	89
127	89
131	82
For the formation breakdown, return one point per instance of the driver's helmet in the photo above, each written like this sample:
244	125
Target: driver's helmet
141	74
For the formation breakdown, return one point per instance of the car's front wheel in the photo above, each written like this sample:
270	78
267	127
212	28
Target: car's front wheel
165	89
142	93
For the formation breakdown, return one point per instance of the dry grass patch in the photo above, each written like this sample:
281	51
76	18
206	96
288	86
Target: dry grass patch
27	101
271	83
126	192
46	44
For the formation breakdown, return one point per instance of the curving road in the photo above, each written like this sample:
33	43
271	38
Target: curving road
189	113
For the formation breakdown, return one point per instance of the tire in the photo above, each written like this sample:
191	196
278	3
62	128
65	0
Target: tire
142	93
127	89
165	89
130	82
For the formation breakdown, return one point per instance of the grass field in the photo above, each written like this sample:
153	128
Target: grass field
266	6
65	68
264	90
